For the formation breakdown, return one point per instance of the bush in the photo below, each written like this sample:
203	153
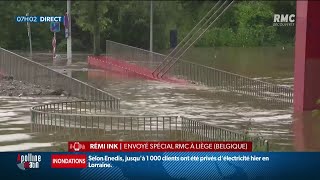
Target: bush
316	112
77	45
62	46
217	37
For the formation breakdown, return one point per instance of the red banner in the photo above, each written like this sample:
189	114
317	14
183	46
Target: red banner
68	161
160	146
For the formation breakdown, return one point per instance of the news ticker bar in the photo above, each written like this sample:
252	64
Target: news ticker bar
86	146
39	19
161	165
105	161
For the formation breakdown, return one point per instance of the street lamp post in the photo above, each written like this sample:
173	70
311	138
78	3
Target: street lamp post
69	45
151	25
151	31
29	35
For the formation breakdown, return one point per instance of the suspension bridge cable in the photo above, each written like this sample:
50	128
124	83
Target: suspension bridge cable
197	38
201	28
191	32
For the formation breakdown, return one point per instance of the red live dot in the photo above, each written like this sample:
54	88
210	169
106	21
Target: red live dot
18	158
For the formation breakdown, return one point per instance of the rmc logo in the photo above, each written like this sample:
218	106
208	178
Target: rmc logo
284	19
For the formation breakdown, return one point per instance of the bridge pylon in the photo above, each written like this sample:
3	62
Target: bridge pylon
306	75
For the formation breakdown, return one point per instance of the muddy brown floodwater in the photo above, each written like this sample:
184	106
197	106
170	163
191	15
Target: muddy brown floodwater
16	99
233	111
140	97
15	124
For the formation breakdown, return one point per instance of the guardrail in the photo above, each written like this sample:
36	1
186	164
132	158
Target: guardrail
198	131
213	77
201	74
106	126
73	119
133	55
26	70
98	116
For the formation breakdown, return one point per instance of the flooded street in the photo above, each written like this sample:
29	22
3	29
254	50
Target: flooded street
141	97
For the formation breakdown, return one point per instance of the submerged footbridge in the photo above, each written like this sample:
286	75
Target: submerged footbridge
171	68
97	116
138	62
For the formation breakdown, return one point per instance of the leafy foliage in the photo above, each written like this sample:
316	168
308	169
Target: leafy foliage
256	139
92	16
89	12
316	112
246	23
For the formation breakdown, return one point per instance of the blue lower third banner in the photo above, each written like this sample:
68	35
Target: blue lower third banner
171	165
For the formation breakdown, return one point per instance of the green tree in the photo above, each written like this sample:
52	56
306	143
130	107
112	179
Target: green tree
13	35
131	23
246	23
91	16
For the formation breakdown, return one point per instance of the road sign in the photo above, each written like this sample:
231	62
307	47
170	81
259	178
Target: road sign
55	26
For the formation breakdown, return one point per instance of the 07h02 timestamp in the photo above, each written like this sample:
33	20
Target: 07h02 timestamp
26	19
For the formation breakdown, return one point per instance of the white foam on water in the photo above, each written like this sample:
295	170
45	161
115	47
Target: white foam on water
14	137
4	119
24	146
7	114
272	118
224	114
18	101
26	121
11	129
257	113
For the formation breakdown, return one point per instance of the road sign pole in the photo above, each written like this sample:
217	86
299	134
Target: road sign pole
54	46
54	27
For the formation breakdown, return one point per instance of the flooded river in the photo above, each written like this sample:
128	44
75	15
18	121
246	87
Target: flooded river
233	111
15	124
142	97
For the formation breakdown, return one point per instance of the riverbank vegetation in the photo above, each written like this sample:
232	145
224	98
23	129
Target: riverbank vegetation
246	24
316	112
